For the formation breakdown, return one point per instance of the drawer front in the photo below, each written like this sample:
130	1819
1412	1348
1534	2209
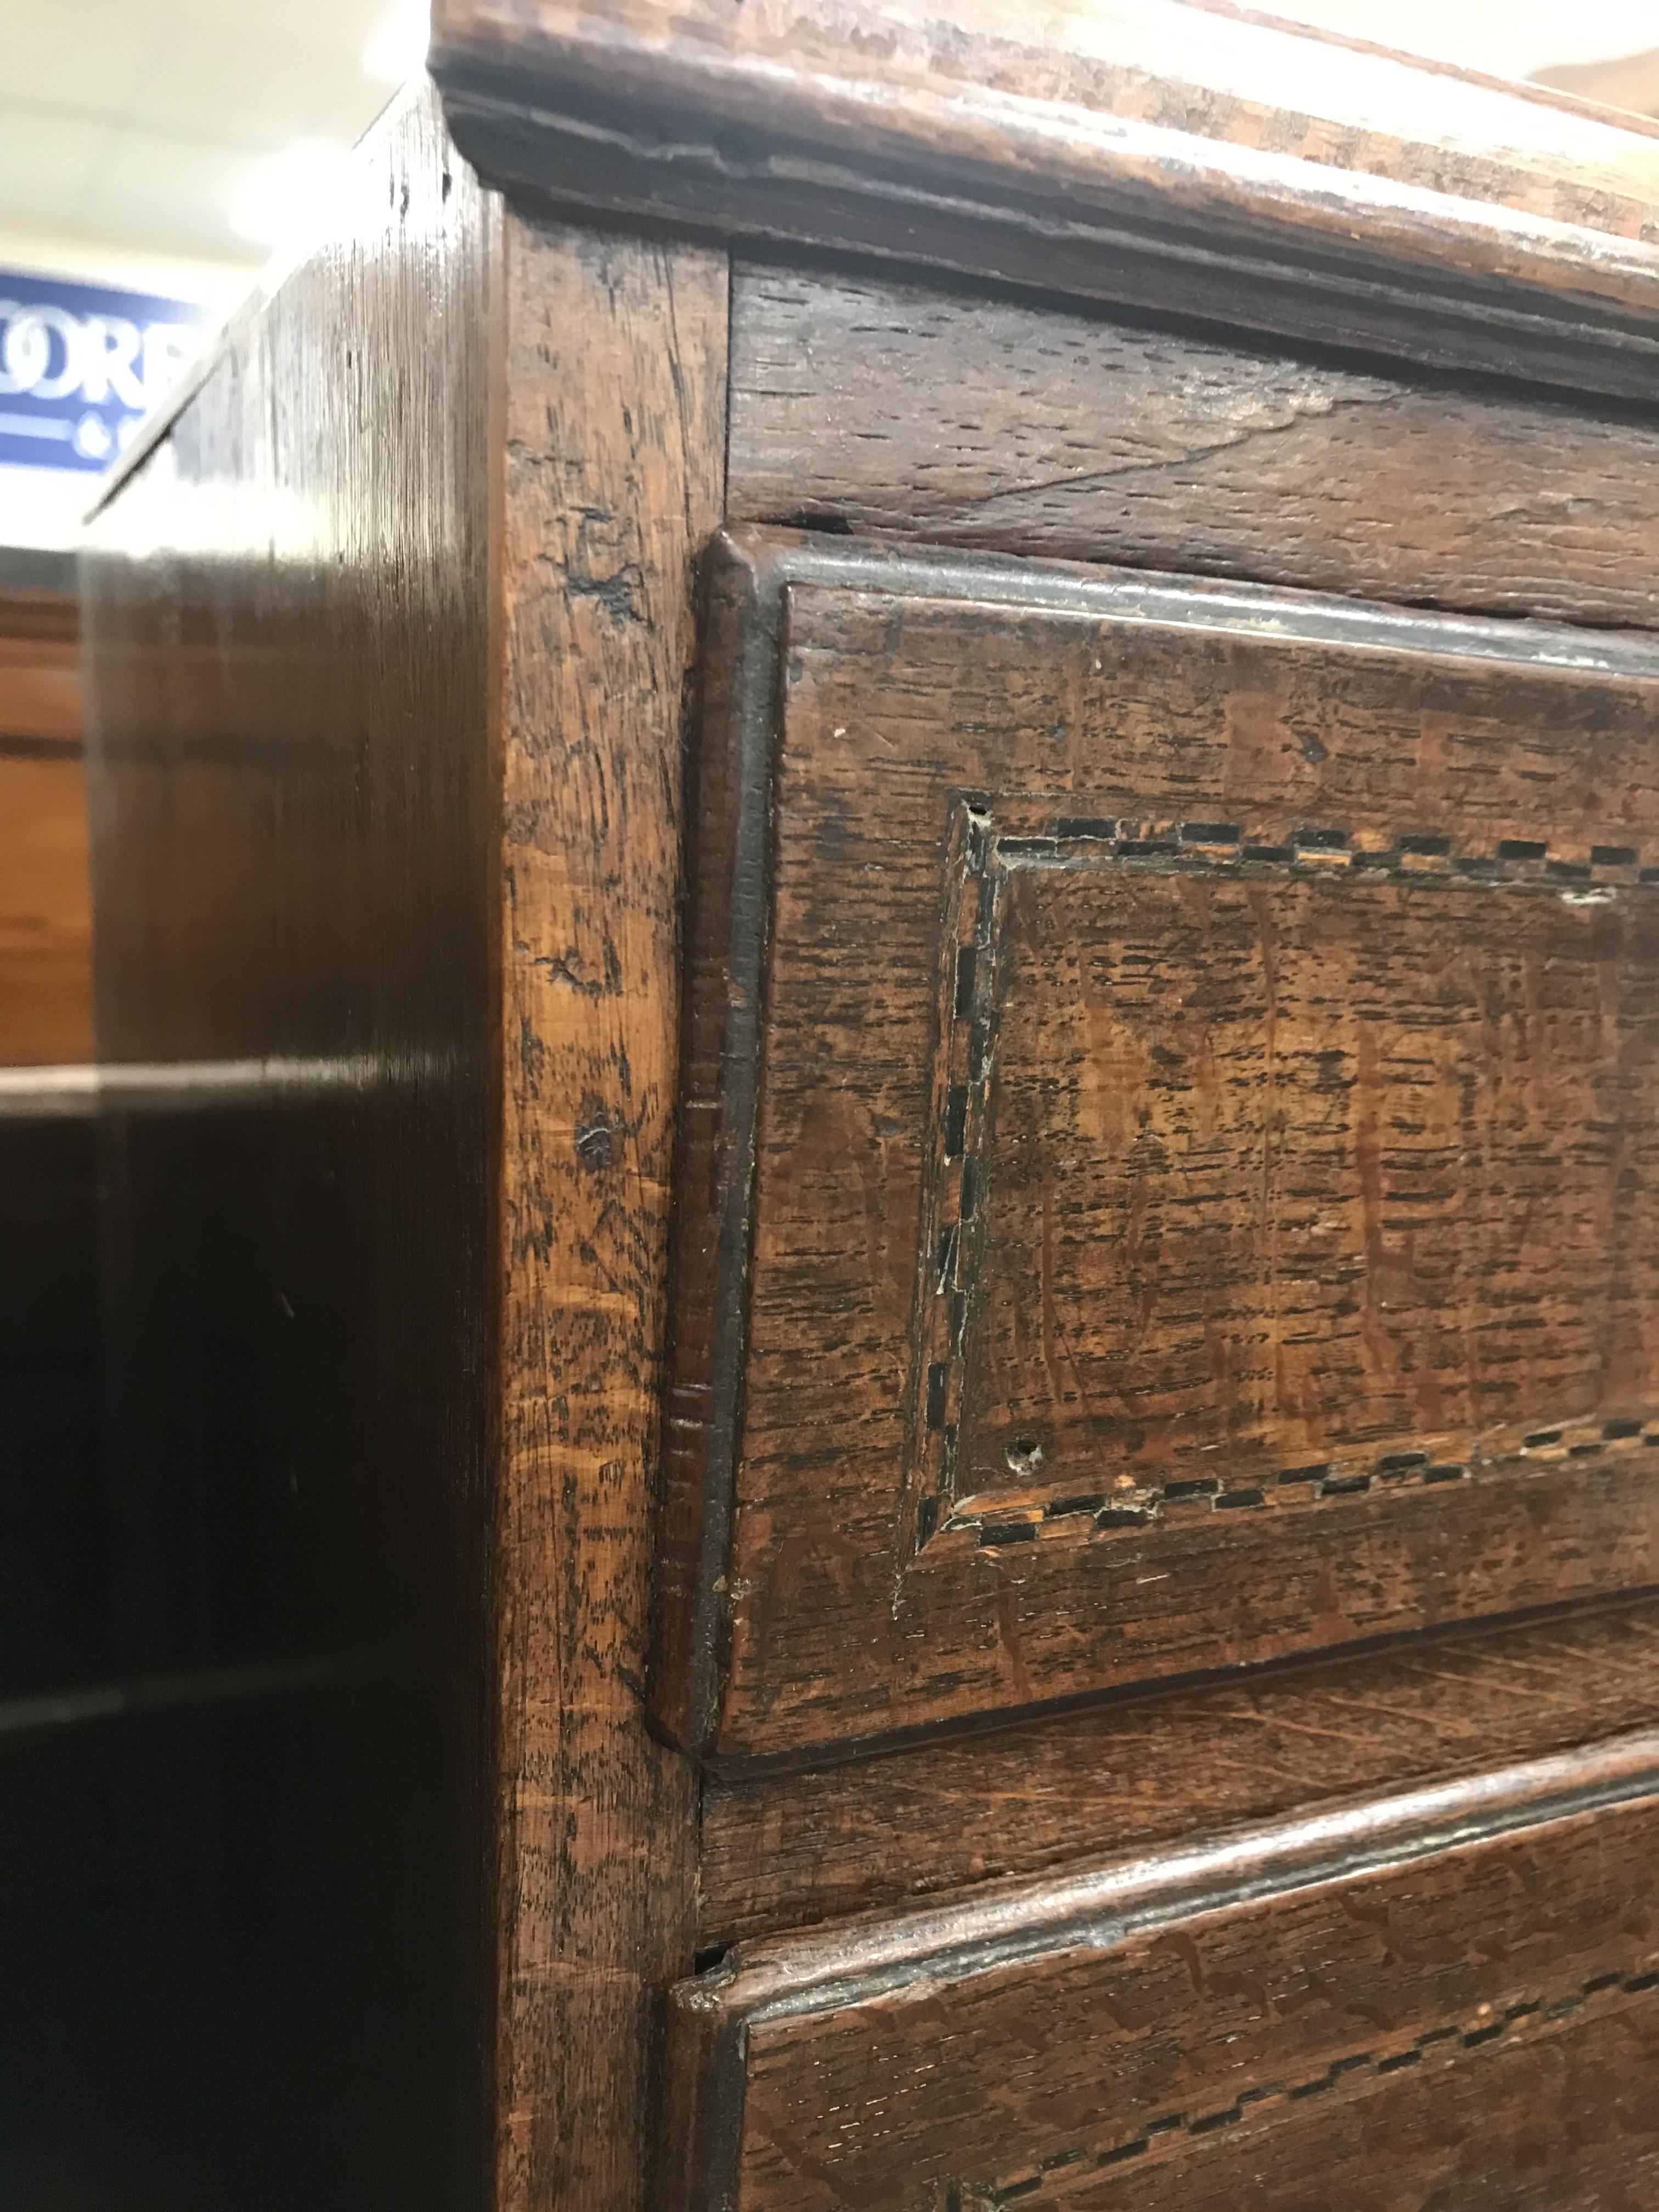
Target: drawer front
1451	2000
1172	1164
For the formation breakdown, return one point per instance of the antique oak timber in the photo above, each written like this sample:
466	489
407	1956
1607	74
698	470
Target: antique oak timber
876	878
1111	1313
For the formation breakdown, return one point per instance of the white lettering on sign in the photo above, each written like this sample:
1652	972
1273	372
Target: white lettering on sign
47	353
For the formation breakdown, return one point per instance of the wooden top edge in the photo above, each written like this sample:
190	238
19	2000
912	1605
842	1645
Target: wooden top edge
1173	51
1035	1916
1215	111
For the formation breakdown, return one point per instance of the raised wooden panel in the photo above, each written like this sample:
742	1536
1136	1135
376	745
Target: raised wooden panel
1168	1155
1448	1998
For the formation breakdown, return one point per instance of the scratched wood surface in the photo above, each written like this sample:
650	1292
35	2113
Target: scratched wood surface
783	1850
1063	1364
41	685
1200	159
1446	1996
614	390
865	402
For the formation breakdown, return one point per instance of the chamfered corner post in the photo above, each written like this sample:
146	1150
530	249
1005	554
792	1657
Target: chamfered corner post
610	465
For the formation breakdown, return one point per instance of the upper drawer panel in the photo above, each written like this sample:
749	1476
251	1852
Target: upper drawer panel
1172	1165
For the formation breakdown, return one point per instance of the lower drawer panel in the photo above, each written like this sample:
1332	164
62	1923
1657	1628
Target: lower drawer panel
1447	1998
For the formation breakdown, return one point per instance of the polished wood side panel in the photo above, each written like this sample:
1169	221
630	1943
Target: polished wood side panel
1445	1995
1195	160
1041	1359
788	1850
613	442
864	403
288	640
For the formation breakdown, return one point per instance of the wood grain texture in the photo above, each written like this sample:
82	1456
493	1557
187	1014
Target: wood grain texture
952	1497
46	910
927	414
783	1850
53	1605
294	806
45	893
613	443
1181	157
1448	1995
41	692
1252	1138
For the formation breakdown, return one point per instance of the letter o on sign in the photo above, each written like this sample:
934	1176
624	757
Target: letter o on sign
26	349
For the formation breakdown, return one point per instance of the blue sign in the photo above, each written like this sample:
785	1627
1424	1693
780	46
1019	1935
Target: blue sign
80	364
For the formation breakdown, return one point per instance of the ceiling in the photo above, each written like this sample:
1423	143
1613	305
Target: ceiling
137	121
143	124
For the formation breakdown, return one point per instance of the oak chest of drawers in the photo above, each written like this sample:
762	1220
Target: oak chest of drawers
896	785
